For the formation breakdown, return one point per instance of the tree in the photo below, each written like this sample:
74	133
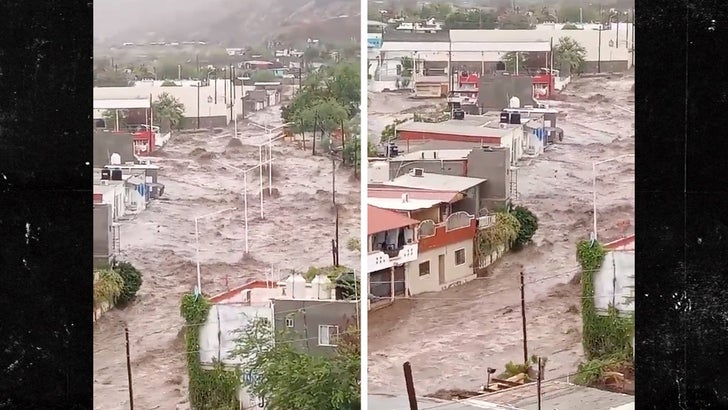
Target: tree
111	78
262	76
510	59
406	63
528	224
309	55
571	52
514	21
291	379
132	279
168	108
473	19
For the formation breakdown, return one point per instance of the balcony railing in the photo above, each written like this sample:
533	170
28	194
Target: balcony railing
378	260
486	221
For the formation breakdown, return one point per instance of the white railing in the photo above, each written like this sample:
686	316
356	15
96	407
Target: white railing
378	260
407	254
458	220
486	221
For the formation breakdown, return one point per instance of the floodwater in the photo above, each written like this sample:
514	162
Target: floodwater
294	232
452	337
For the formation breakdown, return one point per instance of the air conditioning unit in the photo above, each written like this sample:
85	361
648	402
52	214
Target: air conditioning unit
417	172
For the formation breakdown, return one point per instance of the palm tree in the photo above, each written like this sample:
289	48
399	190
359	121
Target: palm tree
170	109
571	52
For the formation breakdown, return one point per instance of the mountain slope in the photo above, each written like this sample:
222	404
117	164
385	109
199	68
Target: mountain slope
225	22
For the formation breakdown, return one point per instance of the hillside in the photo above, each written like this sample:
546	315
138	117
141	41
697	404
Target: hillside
225	22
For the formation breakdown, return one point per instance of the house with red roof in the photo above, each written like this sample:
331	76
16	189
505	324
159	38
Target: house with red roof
391	244
445	227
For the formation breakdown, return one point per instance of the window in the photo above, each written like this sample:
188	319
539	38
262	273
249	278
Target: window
289	322
425	268
460	257
327	335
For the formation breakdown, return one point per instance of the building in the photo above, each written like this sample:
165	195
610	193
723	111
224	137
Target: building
309	308
506	136
490	164
554	395
104	245
614	282
391	244
445	208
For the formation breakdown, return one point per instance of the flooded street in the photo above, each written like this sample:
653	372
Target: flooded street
451	337
294	232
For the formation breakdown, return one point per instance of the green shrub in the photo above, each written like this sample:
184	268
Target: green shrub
108	286
528	224
132	282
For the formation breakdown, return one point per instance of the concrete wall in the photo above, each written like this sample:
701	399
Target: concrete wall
307	315
614	283
102	237
606	66
496	91
431	166
190	121
495	167
453	275
107	143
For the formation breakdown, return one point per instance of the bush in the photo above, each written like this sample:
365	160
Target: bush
528	224
132	282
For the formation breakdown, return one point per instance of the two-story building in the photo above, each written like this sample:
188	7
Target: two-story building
310	310
444	208
489	163
391	245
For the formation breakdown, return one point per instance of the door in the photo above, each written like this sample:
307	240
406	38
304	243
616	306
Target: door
441	268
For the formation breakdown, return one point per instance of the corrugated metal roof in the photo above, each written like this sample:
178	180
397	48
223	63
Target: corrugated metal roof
380	220
501	47
121	103
554	395
449	127
411	46
436	182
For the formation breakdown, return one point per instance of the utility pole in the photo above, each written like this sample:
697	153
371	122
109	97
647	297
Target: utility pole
523	319
128	369
336	263
343	143
409	382
315	125
599	51
538	381
198	104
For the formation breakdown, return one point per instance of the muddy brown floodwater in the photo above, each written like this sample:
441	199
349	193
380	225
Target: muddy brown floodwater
295	234
452	337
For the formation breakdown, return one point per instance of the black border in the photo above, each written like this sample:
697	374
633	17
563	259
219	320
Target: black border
682	205
45	156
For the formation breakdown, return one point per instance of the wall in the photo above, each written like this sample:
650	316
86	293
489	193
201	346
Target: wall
605	66
615	282
307	315
107	143
422	136
102	238
454	275
398	167
424	214
496	91
190	122
495	167
428	90
219	333
443	238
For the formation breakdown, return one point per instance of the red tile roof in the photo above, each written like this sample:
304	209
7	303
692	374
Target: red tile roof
380	220
444	196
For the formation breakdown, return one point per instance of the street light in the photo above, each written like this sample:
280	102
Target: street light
197	242
594	186
209	109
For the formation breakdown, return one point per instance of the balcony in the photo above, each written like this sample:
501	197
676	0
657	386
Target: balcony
378	260
486	221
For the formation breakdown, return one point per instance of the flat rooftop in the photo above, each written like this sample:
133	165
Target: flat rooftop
397	204
434	155
454	127
261	292
435	182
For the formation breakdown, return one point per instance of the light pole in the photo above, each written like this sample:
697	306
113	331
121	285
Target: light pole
245	194
197	242
269	132
594	186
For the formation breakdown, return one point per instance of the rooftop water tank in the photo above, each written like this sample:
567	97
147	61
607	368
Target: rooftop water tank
515	102
298	286
115	159
322	286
